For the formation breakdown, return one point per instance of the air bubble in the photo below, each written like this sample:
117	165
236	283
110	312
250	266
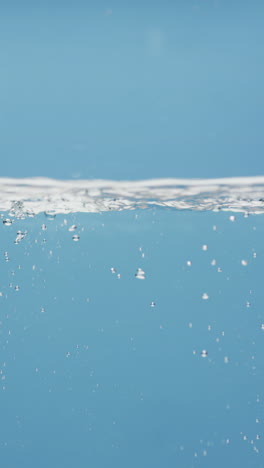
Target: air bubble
152	304
7	222
17	288
226	359
75	238
51	215
43	227
140	274
204	353
213	262
189	263
205	247
244	262
113	270
205	296
232	218
248	304
262	326
72	228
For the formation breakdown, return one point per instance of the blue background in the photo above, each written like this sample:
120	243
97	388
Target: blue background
130	90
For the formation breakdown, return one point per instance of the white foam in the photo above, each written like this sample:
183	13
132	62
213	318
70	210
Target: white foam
22	197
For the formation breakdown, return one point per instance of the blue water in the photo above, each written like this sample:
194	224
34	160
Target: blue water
139	343
93	373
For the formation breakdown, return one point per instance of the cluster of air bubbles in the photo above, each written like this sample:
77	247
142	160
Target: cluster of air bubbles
20	236
140	274
75	237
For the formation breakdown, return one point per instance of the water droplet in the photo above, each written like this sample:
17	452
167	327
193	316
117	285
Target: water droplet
17	288
140	274
7	222
204	353
189	263
152	304
72	228
205	296
232	218
244	262
205	247
75	238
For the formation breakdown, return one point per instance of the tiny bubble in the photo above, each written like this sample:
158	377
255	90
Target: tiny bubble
232	218
226	359
72	228
205	247
205	296
17	288
189	263
204	353
43	227
262	326
244	262
75	238
248	304
152	304
213	262
113	270
140	274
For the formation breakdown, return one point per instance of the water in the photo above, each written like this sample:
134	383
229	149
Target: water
142	343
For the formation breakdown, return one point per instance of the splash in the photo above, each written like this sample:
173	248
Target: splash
28	197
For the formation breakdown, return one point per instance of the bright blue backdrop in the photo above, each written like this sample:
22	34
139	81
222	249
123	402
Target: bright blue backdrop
131	89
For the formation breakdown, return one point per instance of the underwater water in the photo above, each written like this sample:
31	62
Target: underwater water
132	323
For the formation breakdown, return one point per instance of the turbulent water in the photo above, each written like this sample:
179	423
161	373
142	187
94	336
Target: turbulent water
131	335
36	195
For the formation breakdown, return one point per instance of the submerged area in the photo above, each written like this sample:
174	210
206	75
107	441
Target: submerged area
131	336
